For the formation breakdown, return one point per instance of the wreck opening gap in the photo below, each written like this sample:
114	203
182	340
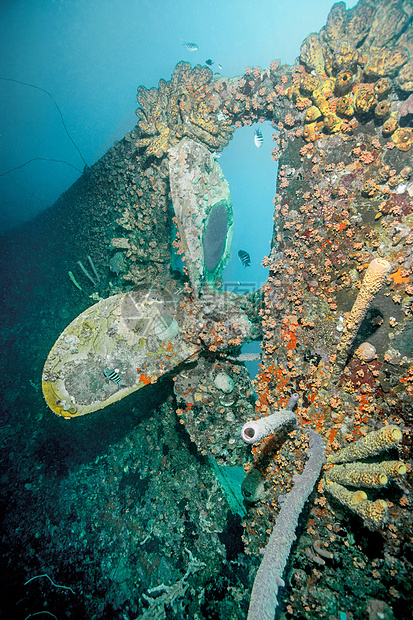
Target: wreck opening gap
252	178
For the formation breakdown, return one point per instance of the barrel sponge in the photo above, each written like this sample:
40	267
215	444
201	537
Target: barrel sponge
345	106
373	443
215	236
403	138
364	99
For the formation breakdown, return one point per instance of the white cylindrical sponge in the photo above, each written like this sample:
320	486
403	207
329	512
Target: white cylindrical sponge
258	429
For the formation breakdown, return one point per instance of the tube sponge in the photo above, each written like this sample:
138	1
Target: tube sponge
367	474
349	498
372	282
358	474
254	431
393	468
373	512
364	474
263	602
357	501
373	443
292	402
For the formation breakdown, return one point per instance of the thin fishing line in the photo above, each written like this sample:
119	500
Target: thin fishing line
60	161
58	109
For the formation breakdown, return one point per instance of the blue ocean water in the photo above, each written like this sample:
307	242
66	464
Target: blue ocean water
251	175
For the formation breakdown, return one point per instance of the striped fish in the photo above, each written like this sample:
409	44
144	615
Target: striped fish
112	375
244	258
191	47
258	139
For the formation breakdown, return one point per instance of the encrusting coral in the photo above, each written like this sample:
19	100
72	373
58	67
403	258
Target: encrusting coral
325	236
178	108
203	211
354	53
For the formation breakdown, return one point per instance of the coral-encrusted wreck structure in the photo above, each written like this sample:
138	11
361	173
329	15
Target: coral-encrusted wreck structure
335	315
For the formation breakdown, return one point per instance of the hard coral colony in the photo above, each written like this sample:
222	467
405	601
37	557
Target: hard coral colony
337	308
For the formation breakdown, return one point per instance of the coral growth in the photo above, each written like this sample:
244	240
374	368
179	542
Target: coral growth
356	59
181	107
345	203
358	474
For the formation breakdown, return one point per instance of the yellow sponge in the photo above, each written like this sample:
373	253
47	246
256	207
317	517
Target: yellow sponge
373	443
359	474
373	512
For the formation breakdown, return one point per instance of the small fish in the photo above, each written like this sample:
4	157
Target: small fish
209	62
244	258
258	139
112	375
191	47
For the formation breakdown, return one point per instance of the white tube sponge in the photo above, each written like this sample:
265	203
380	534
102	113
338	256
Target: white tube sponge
254	431
92	264
87	274
263	602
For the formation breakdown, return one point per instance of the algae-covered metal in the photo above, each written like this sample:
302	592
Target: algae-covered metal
203	208
126	341
139	336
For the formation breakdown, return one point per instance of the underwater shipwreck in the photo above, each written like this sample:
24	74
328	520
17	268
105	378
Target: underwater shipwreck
184	488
